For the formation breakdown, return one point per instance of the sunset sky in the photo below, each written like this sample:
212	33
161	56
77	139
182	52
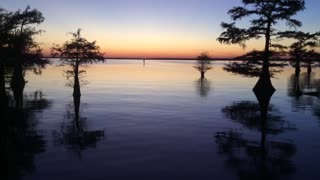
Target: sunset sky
147	28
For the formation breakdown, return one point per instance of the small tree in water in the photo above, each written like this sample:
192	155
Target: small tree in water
300	48
77	53
203	64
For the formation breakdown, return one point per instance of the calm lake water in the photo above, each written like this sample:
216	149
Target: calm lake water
159	121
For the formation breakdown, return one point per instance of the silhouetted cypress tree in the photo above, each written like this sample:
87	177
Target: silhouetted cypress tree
265	15
77	53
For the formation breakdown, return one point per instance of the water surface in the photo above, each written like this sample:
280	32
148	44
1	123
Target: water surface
158	120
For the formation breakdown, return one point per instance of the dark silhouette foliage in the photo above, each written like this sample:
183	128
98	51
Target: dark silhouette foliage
18	49
302	49
250	65
265	15
77	53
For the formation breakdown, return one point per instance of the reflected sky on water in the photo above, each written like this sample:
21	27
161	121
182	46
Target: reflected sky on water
158	120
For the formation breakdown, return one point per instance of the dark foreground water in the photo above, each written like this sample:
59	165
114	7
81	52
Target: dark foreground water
160	121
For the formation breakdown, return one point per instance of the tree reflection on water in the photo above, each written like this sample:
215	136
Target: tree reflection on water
203	87
20	139
74	133
252	157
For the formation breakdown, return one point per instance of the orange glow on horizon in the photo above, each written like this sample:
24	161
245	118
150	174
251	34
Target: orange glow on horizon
160	54
151	45
150	52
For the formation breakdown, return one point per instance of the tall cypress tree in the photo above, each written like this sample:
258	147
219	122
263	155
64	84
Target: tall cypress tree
266	14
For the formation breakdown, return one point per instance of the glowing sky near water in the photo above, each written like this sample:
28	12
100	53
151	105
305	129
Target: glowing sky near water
147	28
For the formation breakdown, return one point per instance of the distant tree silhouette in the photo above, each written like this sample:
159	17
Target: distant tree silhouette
203	64
300	49
77	53
312	57
266	14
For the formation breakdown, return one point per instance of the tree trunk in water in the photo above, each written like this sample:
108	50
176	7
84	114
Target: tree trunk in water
202	75
309	67
264	83
76	85
297	66
3	94
297	89
76	103
17	86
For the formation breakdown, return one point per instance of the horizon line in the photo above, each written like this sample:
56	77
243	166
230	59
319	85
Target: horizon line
176	58
154	58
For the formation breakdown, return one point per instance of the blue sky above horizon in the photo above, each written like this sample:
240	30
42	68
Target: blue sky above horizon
147	28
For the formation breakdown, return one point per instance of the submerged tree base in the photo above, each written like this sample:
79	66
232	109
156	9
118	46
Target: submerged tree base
264	91
202	75
17	86
264	86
